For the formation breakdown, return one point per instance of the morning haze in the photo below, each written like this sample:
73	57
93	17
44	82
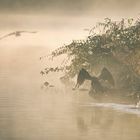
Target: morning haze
68	7
31	111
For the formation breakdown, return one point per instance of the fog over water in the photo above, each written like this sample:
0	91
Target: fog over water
28	112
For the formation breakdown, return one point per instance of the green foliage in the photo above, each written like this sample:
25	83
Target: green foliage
108	42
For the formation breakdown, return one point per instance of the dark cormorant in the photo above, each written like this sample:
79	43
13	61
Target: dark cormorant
95	81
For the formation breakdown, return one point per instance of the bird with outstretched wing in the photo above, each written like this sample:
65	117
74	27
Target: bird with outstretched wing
106	76
82	76
16	33
95	81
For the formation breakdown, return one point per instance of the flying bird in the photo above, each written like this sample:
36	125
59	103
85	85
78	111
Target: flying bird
16	34
95	81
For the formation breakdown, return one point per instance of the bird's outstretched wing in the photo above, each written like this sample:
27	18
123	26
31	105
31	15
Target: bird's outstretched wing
82	76
17	33
27	31
106	75
13	33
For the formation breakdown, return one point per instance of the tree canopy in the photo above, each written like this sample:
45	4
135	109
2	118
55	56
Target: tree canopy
109	43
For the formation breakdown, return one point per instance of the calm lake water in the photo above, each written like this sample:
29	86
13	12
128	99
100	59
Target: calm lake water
28	112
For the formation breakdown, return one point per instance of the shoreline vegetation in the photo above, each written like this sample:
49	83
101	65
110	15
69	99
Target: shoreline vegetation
111	44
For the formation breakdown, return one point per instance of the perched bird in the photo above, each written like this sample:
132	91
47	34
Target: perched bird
95	81
16	33
96	85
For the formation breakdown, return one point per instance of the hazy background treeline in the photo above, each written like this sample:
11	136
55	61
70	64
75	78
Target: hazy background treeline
79	7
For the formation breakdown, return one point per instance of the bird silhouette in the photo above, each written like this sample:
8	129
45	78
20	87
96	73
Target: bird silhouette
95	81
16	34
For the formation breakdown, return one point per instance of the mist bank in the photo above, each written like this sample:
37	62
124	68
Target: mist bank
55	22
69	7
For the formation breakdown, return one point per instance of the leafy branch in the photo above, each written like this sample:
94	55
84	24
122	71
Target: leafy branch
107	41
